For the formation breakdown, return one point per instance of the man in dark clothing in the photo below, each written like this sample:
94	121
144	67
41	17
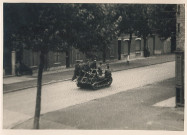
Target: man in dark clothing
107	71
76	71
18	71
100	69
93	65
87	66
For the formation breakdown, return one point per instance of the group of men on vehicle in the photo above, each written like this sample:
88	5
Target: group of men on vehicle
85	67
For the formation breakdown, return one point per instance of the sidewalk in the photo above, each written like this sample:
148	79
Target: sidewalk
11	84
146	108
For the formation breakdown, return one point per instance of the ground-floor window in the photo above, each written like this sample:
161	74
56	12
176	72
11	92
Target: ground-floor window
35	58
57	57
77	55
138	45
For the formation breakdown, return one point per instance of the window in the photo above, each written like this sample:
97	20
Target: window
78	56
34	58
111	51
138	44
57	57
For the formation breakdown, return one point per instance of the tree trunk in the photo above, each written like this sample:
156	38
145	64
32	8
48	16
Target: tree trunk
154	45
104	53
129	44
67	59
145	47
119	49
38	96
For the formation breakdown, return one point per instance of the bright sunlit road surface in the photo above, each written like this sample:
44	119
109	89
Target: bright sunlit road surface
20	106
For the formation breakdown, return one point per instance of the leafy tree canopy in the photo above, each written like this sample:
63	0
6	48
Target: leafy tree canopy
56	26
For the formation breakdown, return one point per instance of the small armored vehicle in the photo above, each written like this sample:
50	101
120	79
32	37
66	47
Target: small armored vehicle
93	79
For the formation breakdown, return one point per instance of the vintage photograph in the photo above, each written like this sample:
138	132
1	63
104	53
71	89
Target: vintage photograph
93	66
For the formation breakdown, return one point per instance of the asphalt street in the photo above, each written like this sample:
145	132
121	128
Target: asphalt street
24	82
19	106
136	109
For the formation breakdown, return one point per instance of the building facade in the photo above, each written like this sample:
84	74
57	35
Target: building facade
155	45
118	49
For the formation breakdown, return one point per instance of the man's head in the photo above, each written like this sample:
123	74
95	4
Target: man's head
78	61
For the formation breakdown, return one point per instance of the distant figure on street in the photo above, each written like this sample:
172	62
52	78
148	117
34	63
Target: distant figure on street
24	69
77	70
18	68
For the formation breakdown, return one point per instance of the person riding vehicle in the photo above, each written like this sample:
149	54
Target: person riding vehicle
100	69
77	70
93	65
94	78
107	71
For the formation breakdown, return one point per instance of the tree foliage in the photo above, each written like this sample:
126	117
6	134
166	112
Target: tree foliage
147	19
164	17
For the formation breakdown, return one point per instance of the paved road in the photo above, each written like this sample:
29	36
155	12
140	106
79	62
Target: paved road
151	107
19	106
24	82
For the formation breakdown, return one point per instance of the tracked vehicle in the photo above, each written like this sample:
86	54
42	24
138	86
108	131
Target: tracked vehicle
92	79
